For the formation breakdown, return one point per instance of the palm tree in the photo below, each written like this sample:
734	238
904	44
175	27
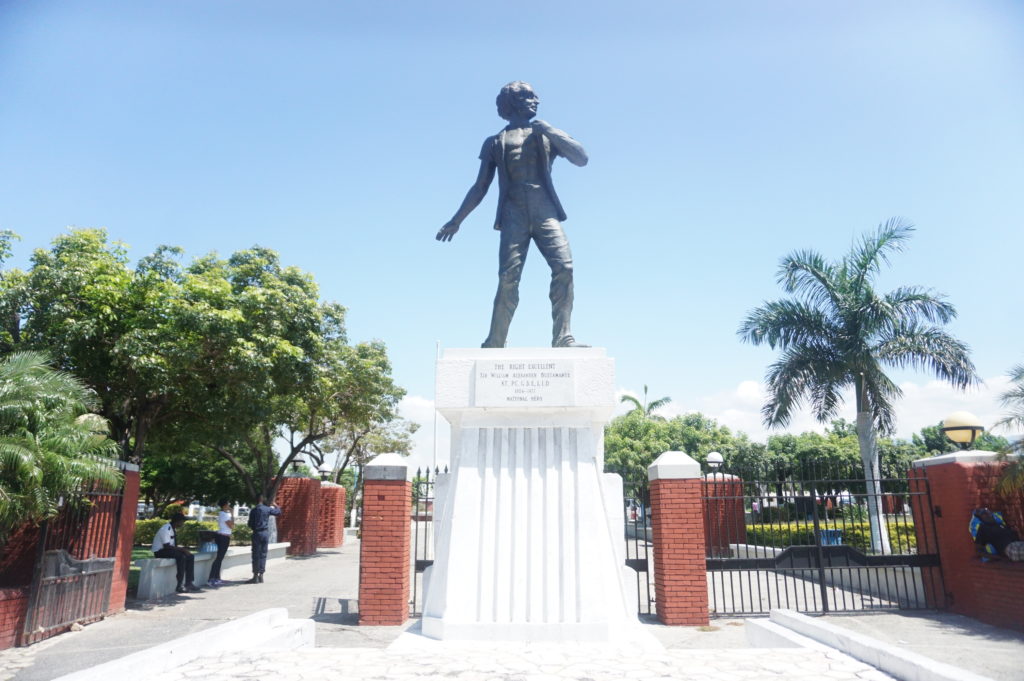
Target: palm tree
1012	479
50	444
837	332
646	409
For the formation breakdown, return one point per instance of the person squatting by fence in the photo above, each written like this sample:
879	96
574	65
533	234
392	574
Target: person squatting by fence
225	525
165	546
259	518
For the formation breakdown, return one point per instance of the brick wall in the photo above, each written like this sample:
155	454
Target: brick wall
331	524
299	499
13	603
125	539
992	592
724	515
384	560
18	557
680	579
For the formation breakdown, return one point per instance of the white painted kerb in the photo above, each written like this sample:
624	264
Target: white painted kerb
673	466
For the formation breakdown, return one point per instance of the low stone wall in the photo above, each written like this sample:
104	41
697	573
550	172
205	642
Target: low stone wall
158	576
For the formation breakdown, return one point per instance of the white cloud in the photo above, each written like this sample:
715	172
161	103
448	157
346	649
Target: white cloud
922	404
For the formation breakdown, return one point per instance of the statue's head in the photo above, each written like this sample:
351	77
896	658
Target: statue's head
517	98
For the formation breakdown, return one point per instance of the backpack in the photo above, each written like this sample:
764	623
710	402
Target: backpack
989	549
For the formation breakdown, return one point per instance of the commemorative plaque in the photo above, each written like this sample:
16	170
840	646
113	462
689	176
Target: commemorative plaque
524	383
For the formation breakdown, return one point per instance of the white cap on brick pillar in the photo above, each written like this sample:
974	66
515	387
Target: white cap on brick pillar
387	467
673	466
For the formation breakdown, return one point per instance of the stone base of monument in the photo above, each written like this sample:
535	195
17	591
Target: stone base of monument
529	542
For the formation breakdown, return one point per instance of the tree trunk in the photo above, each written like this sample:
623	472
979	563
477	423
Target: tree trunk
869	458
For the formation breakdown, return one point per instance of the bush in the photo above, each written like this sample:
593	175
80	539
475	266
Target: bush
188	535
778	514
857	535
172	509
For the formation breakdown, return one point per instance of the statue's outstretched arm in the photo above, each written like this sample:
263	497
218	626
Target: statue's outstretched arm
566	146
473	198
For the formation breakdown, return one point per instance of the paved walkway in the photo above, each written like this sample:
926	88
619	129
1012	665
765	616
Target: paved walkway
325	587
534	663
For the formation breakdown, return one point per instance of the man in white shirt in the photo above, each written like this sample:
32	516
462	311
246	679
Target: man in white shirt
165	546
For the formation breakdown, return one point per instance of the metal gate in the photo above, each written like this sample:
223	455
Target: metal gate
422	548
75	562
810	545
639	538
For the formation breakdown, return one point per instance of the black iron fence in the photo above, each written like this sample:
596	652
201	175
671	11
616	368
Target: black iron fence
829	544
422	518
639	541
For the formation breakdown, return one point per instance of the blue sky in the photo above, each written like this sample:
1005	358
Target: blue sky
721	135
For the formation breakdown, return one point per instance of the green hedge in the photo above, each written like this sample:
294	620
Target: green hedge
188	535
857	535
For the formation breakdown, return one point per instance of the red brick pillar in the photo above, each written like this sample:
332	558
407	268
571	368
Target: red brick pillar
13	606
677	519
299	500
724	515
331	526
959	483
384	560
125	537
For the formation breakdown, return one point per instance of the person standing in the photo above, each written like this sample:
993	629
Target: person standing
259	518
165	546
225	525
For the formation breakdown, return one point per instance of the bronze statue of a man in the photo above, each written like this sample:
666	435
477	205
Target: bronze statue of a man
528	208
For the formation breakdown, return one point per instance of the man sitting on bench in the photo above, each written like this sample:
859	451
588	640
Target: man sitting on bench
165	546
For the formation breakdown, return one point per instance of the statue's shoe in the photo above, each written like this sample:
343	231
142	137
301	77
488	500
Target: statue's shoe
568	342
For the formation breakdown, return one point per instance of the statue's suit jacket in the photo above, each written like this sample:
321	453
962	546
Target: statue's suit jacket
493	151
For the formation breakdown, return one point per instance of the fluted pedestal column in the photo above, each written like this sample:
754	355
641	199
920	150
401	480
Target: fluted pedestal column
529	532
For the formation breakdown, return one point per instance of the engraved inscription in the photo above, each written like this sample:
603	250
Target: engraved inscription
528	382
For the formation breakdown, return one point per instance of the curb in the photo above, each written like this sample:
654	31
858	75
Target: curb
268	629
901	664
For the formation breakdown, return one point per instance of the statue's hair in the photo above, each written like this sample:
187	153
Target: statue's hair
504	98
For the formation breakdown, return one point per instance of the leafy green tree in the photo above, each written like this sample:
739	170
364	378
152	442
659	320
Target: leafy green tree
108	324
180	468
645	408
240	348
50	443
1012	479
633	441
837	332
291	376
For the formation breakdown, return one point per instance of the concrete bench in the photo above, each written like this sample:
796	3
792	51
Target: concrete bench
158	575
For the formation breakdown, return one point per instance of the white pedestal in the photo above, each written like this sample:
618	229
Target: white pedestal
528	527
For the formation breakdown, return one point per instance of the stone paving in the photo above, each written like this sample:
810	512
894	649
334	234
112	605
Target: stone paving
547	662
324	588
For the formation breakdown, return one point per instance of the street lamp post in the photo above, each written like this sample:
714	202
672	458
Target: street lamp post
962	427
715	461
